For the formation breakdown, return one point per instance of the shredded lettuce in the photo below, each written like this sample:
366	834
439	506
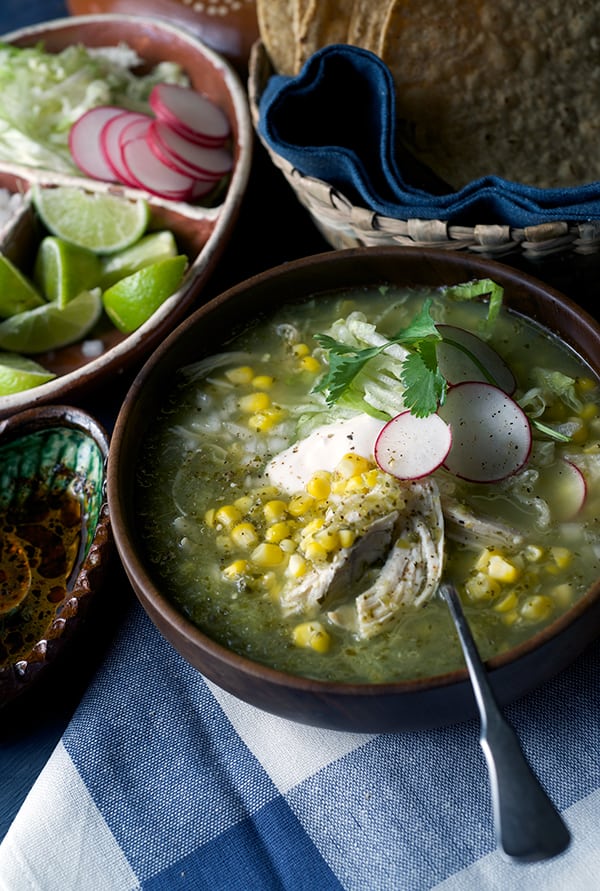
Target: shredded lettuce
42	94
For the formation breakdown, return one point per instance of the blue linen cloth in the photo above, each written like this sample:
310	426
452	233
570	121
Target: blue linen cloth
336	121
162	781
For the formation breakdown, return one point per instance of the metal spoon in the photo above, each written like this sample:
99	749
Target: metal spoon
528	826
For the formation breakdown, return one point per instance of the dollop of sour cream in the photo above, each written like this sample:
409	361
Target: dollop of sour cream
323	449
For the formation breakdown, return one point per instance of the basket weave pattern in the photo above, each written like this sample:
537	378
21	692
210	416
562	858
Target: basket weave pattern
344	224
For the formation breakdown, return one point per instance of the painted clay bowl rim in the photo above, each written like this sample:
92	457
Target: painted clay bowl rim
21	674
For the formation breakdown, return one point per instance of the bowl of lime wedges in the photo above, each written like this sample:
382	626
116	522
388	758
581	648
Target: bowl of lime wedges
117	210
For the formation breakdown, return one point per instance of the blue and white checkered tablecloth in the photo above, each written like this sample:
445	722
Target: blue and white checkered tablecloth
162	781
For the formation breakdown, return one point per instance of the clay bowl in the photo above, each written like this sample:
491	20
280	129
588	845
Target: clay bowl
228	26
56	541
201	229
356	707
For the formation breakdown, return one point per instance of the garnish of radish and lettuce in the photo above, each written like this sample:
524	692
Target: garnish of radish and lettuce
444	392
43	94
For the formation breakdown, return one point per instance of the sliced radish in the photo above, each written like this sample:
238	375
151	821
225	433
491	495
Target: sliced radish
190	113
206	162
110	137
147	170
491	434
409	447
563	486
480	363
167	157
85	145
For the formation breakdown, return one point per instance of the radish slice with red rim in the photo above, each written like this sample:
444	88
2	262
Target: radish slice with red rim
409	447
491	434
480	363
564	488
168	158
206	162
85	142
148	171
110	142
192	114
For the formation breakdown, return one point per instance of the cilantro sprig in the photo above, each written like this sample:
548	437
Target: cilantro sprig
424	385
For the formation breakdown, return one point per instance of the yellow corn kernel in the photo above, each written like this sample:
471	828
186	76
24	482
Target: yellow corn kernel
267	555
243	374
370	477
561	556
329	539
585	384
254	402
352	464
481	587
209	517
296	567
537	607
562	594
338	485
507	603
311	635
510	617
274	510
244	535
269	582
278	531
589	411
483	560
533	553
579	432
347	537
299	505
244	503
287	545
356	483
236	569
314	551
263	381
300	350
502	570
312	526
310	364
319	485
263	421
228	515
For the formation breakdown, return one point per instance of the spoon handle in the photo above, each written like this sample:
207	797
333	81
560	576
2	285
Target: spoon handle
528	826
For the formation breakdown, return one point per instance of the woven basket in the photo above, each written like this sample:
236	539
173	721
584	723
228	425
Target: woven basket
344	225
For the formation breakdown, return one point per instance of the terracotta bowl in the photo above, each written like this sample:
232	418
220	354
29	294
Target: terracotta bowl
357	707
229	27
55	542
201	230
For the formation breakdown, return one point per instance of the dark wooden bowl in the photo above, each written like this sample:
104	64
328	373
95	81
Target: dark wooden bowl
358	707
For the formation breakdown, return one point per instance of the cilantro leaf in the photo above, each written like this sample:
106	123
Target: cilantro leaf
425	387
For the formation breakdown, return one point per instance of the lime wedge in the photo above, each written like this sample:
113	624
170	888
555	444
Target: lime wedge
150	249
17	293
50	326
18	373
98	221
63	270
133	299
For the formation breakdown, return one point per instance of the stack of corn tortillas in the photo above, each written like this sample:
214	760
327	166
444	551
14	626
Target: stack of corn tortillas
483	86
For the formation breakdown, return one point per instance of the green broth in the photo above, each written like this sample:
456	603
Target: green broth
203	452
